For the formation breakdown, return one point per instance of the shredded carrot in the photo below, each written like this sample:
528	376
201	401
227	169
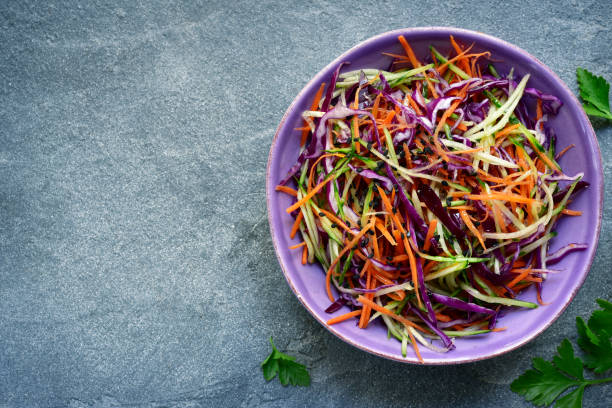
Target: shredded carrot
296	246
519	278
463	63
365	312
430	232
503	197
413	60
304	255
365	301
310	194
468	222
562	152
385	232
344	317
574	213
506	130
287	190
336	220
296	225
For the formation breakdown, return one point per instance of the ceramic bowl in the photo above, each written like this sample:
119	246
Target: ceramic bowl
571	126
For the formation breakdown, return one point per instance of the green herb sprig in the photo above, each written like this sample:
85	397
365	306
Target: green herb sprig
594	92
549	380
288	370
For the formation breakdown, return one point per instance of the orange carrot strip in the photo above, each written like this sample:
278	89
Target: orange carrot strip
502	197
430	232
506	130
567	211
413	104
310	194
562	152
366	311
445	116
296	246
519	278
546	159
460	126
398	56
461	207
413	60
314	166
397	295
347	248
375	106
304	255
296	225
540	301
343	317
475	150
335	219
385	232
471	227
463	63
314	106
287	190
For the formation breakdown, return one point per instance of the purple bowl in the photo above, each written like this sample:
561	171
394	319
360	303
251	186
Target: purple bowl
571	126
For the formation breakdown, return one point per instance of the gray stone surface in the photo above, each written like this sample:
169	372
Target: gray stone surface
136	266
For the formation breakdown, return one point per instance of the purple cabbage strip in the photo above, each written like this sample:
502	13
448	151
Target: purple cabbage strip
448	343
406	135
562	252
433	203
550	103
372	175
460	304
418	98
331	87
421	280
558	196
486	273
507	266
436	105
477	111
493	321
361	290
461	84
461	113
337	305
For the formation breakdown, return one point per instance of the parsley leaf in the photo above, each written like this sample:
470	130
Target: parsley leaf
594	92
549	380
594	338
542	385
572	399
288	370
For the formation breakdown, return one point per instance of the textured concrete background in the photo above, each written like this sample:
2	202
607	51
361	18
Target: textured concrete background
136	266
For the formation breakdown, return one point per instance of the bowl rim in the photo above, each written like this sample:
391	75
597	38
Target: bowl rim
449	30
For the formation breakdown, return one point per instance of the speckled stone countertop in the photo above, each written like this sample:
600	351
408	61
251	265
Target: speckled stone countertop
136	265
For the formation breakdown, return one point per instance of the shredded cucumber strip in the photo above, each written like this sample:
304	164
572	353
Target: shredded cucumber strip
498	300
